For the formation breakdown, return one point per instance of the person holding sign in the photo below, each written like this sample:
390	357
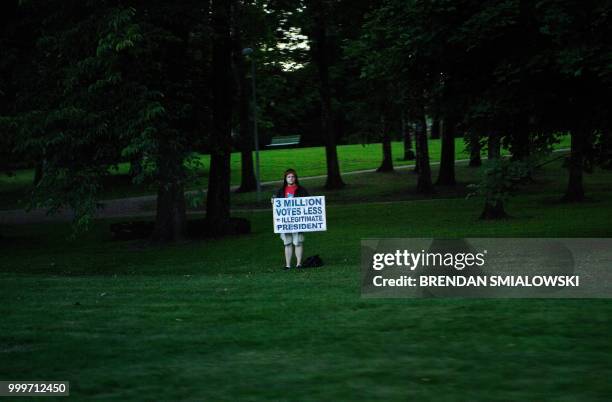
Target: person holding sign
291	188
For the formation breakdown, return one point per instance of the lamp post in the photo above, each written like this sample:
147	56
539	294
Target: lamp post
247	52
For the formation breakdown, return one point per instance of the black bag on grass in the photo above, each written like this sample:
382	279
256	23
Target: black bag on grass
313	262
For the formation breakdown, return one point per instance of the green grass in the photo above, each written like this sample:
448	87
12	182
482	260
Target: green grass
307	161
218	320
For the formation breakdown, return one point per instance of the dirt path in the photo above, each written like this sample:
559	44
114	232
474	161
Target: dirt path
137	206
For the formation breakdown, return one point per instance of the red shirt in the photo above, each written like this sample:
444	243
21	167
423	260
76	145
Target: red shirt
290	191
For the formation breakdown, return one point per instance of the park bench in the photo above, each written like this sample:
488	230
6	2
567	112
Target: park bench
285	140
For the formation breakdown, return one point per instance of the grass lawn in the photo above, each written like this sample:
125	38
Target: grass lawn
218	320
307	161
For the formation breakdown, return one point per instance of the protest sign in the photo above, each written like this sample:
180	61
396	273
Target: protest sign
299	214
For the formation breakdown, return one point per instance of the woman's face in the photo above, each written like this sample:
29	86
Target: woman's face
290	179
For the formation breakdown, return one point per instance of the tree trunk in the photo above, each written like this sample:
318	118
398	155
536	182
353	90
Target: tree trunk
135	166
605	149
475	159
408	152
417	151
424	184
416	156
494	146
248	181
218	197
575	189
521	144
387	162
170	219
493	211
435	127
38	172
321	55
446	174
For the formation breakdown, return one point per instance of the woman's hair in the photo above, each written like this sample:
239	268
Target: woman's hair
285	176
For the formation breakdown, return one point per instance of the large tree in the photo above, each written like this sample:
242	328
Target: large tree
322	48
218	197
115	81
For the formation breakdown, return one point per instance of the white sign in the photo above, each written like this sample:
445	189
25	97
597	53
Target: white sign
299	214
